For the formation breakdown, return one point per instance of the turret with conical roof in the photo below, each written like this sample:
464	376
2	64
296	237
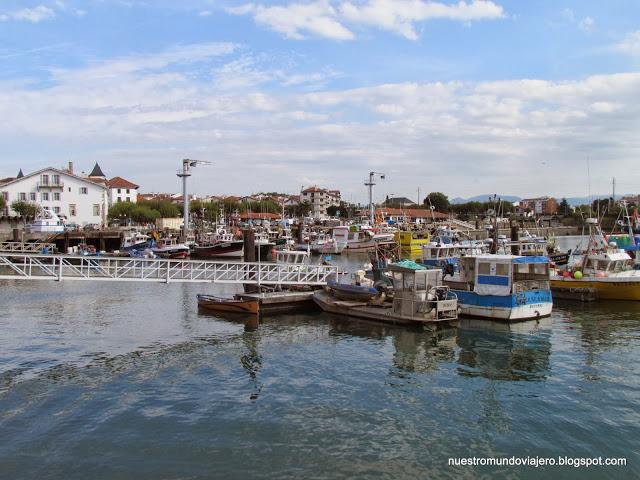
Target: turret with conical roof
97	172
20	174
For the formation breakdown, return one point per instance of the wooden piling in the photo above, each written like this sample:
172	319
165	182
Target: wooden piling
249	255
514	238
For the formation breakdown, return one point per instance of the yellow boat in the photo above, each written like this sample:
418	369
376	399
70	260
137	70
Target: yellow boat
411	242
605	272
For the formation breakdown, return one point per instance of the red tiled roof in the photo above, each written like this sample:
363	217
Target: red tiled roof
119	182
6	180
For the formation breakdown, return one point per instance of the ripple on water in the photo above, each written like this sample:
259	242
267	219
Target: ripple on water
138	381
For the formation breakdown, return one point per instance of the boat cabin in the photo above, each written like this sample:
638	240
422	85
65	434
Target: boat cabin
501	274
292	257
419	293
611	261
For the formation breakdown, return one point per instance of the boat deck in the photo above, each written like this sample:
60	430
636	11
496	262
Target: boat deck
363	310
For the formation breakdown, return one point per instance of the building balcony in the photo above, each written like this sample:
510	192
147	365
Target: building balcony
41	185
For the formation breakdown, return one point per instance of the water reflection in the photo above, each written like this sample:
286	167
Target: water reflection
504	351
250	359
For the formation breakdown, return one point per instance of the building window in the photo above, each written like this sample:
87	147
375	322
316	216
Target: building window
56	210
118	200
69	188
128	199
55	179
32	196
128	192
119	190
22	196
5	195
44	196
72	210
84	190
96	210
56	196
44	179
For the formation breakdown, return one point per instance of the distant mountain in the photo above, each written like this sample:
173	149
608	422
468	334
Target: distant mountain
483	198
576	201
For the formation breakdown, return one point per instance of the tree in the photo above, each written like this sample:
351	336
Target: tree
332	210
438	200
25	209
166	208
564	207
304	208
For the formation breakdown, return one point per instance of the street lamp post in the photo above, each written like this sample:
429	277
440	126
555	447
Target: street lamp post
184	174
370	184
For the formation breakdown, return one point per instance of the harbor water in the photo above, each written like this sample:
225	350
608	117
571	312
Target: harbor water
128	380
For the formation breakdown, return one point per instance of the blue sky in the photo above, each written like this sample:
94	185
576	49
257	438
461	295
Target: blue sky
465	97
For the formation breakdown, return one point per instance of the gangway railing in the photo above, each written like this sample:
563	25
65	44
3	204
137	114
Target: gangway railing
104	268
27	247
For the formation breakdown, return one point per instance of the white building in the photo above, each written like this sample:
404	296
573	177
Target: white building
122	190
76	199
320	199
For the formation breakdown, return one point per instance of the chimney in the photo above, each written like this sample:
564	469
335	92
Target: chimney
70	169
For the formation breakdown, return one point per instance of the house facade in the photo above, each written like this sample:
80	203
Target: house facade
538	206
320	199
75	199
122	190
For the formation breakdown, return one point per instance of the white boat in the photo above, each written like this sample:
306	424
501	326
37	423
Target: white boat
136	241
359	239
324	244
47	222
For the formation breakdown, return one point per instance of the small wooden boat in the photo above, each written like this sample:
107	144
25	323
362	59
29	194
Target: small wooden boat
233	305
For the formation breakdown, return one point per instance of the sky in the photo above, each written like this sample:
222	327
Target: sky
465	97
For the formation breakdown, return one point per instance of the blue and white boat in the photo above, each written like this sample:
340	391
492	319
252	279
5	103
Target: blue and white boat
503	287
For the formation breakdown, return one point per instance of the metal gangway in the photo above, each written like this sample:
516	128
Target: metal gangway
105	268
27	247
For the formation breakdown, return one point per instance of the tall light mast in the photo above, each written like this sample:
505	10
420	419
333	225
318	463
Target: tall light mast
370	184
184	174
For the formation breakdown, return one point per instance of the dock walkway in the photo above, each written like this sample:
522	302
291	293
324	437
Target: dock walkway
122	269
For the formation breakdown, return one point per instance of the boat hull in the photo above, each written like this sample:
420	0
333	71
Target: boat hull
602	288
223	249
525	306
215	304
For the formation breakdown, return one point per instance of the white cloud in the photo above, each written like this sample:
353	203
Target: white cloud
399	16
321	18
204	13
33	15
297	20
130	113
630	44
586	24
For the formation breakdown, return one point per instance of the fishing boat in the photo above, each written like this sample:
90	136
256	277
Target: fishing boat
411	242
47	221
357	238
602	271
325	244
136	241
502	287
230	305
169	247
219	244
418	297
